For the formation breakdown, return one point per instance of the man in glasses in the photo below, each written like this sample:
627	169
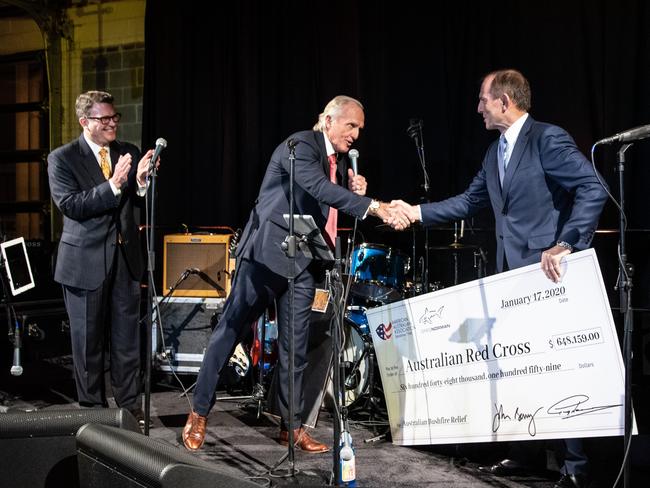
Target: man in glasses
96	182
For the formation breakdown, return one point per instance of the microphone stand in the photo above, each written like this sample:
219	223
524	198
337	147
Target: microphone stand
415	132
151	264
290	251
625	271
338	368
16	368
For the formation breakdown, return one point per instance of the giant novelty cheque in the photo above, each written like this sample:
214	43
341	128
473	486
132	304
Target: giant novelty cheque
512	356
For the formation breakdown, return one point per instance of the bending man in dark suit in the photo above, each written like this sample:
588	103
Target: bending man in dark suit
94	183
545	196
262	265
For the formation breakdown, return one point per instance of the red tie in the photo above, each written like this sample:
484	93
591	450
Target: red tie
330	226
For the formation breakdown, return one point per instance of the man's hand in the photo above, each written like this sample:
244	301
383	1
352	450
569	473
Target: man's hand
551	262
121	171
357	183
396	218
143	167
403	210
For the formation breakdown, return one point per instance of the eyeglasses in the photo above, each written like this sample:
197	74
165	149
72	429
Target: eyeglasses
105	120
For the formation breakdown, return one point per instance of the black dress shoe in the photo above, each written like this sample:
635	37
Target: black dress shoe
505	467
571	481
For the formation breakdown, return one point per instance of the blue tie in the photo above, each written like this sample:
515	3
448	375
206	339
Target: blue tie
502	157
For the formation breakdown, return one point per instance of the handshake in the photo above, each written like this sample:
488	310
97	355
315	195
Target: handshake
398	214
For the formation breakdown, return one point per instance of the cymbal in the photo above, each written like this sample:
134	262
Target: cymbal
454	246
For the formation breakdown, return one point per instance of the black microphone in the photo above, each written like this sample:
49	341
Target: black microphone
353	155
160	145
292	143
414	129
627	136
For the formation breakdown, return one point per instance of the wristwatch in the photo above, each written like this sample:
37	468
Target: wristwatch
565	245
373	208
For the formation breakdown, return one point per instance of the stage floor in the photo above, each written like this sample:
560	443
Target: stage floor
241	444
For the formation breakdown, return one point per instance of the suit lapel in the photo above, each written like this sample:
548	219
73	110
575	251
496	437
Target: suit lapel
320	140
517	152
492	172
89	163
340	168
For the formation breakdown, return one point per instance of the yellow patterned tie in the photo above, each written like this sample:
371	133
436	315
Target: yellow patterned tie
104	162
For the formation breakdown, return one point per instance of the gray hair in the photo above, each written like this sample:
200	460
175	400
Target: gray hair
85	102
333	109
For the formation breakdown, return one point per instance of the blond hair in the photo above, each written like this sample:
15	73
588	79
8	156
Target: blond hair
333	109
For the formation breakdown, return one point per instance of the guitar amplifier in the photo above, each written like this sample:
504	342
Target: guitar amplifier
197	265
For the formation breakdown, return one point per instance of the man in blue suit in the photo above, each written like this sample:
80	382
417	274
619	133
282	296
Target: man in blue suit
263	266
546	198
96	185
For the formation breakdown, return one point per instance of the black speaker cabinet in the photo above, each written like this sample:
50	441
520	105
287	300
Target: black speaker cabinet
114	458
197	265
38	449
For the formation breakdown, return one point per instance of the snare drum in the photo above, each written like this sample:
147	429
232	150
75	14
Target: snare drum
378	272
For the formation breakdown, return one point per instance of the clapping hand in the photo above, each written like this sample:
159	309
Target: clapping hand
121	171
143	167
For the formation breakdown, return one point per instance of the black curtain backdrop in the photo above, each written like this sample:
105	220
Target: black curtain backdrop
225	83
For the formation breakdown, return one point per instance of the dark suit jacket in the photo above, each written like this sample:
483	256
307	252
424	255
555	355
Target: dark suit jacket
92	214
550	193
266	229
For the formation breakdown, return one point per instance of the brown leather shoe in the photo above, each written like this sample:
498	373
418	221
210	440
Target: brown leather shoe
303	440
194	431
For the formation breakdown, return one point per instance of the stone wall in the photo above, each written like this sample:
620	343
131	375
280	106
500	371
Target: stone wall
118	70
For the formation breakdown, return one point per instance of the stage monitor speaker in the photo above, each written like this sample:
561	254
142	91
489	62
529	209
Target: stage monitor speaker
205	262
38	449
114	458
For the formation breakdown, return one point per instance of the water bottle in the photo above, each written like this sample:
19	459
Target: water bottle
346	459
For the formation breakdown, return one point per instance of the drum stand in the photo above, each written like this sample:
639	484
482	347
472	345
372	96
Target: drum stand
258	394
371	404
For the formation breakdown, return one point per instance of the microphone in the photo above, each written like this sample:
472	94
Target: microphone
627	136
160	145
353	155
292	143
16	368
414	130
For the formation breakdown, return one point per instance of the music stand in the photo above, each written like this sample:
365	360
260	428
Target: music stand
304	236
310	240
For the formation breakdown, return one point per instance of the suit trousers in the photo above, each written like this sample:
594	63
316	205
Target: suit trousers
575	459
254	288
111	311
